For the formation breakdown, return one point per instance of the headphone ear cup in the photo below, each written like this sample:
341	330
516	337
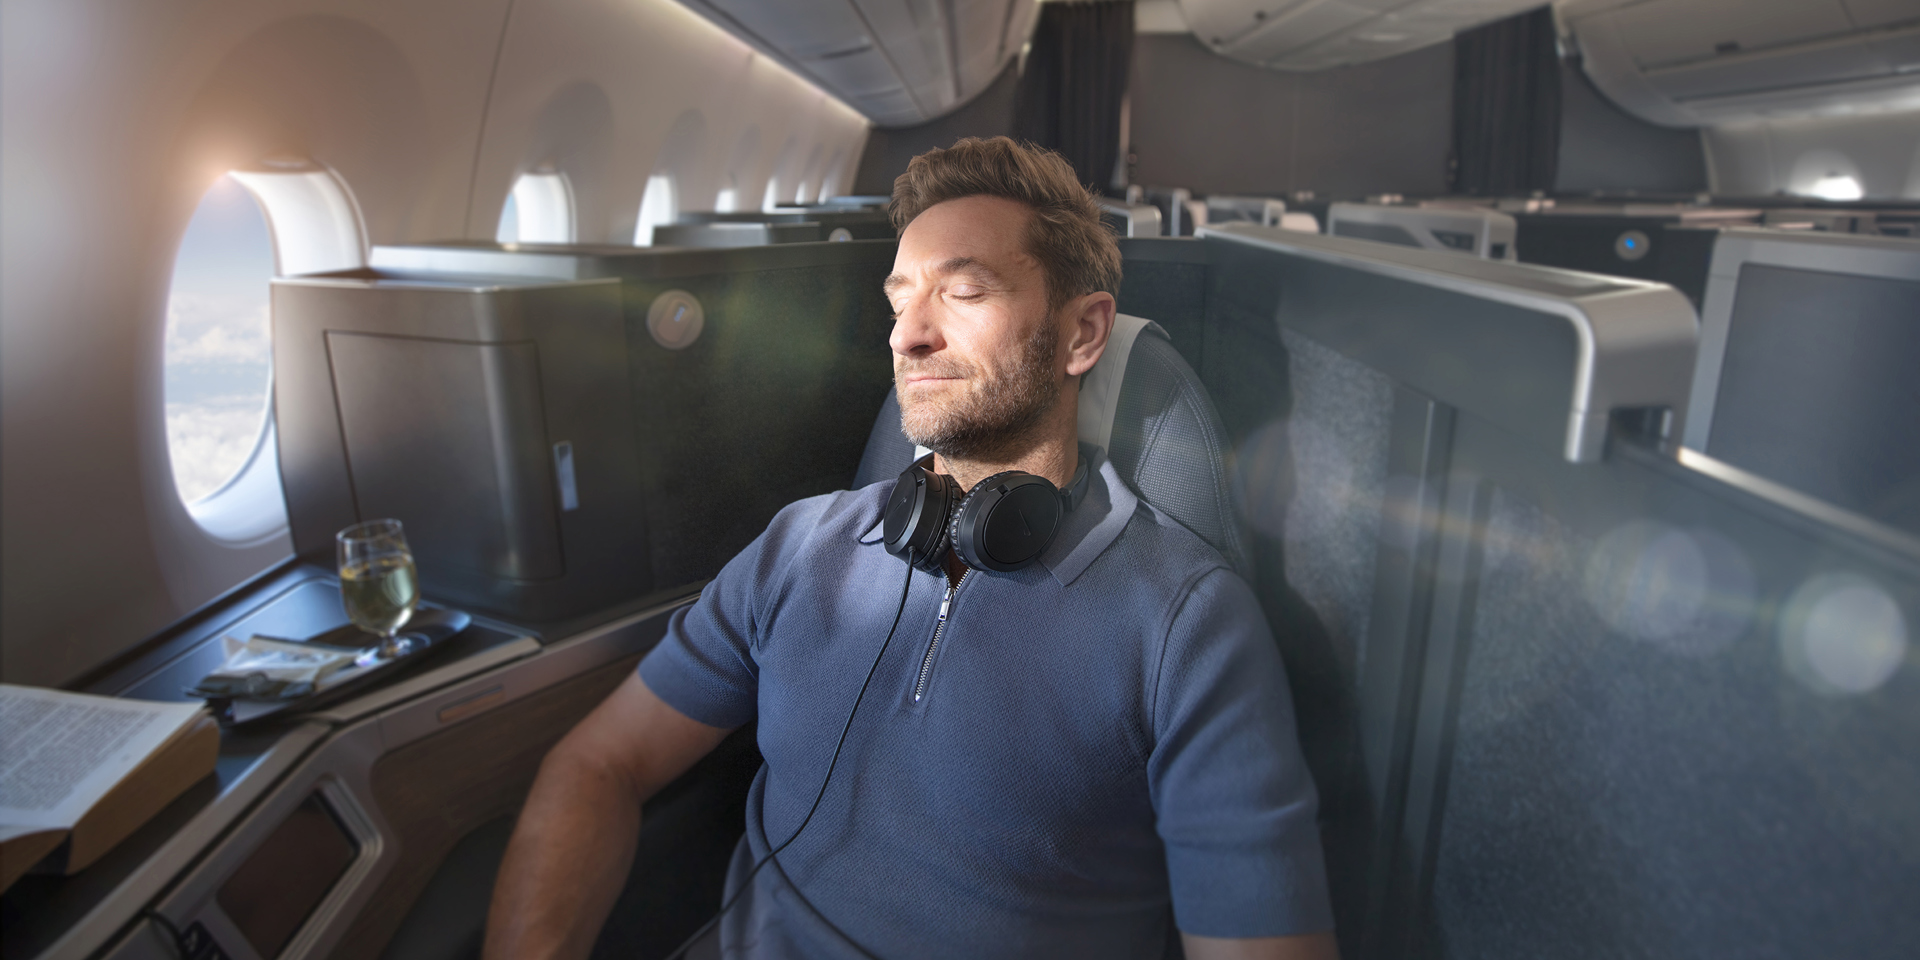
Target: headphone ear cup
1006	521
935	559
915	523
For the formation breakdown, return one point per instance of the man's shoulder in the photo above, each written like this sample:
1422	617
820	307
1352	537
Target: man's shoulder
837	518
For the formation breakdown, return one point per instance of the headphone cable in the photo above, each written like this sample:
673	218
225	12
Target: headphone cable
747	881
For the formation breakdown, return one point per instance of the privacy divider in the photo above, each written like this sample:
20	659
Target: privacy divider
1567	689
626	419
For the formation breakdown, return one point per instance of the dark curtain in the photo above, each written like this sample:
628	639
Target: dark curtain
1506	106
1076	74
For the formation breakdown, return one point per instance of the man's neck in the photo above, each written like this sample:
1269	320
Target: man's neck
1051	450
1056	460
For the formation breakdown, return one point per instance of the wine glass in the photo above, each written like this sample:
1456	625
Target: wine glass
378	585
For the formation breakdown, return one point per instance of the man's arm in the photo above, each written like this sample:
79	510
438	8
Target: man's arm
573	845
1235	804
1313	946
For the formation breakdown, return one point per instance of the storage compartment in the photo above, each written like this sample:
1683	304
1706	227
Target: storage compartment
491	416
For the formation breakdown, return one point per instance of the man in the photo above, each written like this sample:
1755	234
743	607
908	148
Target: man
1042	759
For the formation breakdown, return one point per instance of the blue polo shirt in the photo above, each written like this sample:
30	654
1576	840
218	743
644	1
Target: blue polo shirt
1095	736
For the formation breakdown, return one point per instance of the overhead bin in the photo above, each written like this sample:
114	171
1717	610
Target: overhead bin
1322	34
877	58
1701	62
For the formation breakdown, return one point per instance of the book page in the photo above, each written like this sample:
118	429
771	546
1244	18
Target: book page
63	751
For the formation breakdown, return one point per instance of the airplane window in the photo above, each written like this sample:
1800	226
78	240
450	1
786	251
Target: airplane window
656	208
217	360
830	182
540	210
782	173
509	229
802	195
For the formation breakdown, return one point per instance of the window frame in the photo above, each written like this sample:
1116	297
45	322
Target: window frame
315	226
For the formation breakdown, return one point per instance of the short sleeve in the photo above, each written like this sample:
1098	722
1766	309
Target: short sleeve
704	667
1234	801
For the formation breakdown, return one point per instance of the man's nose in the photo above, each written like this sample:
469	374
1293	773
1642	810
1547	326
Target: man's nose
915	329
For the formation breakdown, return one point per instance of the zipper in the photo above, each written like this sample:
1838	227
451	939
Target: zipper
939	627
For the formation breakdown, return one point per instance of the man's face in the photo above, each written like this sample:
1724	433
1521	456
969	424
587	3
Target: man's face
974	345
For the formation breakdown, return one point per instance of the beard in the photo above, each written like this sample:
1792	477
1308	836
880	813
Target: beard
994	413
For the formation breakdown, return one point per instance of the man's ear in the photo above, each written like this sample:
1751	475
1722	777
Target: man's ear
1090	322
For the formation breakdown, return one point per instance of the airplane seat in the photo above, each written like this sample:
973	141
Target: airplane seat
1147	408
1804	370
1142	403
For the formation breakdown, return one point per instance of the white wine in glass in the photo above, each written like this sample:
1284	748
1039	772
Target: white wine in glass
377	582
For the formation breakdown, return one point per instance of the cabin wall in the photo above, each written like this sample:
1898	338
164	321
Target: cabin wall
118	117
888	150
1214	125
1606	149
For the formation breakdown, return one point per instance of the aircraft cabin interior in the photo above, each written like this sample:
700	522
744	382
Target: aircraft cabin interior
1548	372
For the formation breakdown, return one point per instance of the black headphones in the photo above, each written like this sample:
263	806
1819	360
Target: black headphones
1004	523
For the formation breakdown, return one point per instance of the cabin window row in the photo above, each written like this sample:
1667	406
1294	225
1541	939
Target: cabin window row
540	207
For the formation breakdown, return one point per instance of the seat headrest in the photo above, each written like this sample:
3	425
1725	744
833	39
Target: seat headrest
1146	407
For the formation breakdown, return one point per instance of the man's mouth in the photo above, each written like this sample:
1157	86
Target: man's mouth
917	379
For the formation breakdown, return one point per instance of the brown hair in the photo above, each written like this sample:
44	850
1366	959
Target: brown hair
1077	254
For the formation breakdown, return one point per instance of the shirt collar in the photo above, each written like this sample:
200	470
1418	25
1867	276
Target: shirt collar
1089	529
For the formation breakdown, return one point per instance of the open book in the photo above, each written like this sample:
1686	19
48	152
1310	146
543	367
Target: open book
87	771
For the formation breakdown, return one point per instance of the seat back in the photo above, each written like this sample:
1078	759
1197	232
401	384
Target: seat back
1146	408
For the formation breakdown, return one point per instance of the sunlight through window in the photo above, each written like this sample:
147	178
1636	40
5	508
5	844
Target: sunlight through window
540	210
656	208
217	353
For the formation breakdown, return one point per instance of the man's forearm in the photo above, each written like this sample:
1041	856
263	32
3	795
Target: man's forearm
573	846
567	862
